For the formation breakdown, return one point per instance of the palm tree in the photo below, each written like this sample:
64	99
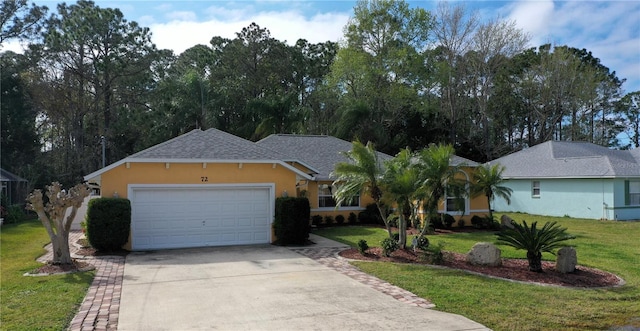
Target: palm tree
400	184
361	175
437	178
487	180
534	240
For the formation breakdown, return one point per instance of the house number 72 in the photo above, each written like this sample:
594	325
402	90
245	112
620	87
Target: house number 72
204	179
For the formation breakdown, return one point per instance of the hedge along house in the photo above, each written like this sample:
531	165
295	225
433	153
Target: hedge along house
324	152
203	188
576	179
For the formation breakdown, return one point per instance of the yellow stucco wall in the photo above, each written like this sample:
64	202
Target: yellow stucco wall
117	179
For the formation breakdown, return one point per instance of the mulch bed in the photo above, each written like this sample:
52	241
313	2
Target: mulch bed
512	269
78	265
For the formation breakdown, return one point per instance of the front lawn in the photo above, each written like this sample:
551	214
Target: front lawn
502	305
35	303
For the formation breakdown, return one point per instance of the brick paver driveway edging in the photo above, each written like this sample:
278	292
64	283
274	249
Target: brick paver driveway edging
101	305
329	257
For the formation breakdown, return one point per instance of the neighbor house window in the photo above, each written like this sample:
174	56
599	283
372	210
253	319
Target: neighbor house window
632	193
535	188
325	198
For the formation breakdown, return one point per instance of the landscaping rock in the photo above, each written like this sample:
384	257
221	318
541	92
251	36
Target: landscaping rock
486	254
566	260
506	222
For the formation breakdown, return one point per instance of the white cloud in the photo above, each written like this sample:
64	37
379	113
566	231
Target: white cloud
181	16
286	25
533	18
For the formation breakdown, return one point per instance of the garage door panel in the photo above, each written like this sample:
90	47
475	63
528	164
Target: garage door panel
166	217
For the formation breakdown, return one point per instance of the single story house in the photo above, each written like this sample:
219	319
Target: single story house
211	188
324	152
576	179
14	188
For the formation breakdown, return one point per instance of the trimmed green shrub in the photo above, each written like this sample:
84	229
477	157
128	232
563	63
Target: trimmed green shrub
461	223
316	220
340	219
291	224
388	246
362	246
14	214
436	221
363	217
433	254
448	220
108	223
352	218
328	220
421	242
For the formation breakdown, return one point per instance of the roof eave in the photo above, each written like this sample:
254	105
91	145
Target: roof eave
97	173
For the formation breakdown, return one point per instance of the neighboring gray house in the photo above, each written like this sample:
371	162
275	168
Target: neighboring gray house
14	188
576	179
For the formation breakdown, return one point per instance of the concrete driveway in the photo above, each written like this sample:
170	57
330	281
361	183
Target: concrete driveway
259	287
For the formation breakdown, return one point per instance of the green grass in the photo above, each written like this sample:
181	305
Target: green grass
35	303
502	305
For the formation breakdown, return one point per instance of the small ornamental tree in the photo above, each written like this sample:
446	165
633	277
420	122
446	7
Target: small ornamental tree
52	215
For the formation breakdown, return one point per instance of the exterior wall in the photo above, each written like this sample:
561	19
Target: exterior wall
117	179
473	205
580	198
619	211
312	194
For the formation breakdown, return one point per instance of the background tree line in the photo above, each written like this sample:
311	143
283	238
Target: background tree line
401	77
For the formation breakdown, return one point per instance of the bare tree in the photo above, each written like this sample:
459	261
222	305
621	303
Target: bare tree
494	43
454	27
52	215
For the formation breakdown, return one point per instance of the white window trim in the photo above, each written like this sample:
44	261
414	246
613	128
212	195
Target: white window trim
534	187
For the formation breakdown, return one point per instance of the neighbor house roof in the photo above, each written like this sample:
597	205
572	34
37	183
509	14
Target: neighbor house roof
459	160
566	159
208	146
322	152
6	176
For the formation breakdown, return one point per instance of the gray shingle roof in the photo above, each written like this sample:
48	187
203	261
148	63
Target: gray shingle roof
320	152
563	159
6	176
211	144
459	160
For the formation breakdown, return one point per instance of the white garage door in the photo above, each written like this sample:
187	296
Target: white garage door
176	217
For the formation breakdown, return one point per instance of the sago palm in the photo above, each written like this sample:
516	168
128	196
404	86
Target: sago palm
534	240
487	180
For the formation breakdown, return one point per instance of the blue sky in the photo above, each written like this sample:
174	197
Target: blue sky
609	29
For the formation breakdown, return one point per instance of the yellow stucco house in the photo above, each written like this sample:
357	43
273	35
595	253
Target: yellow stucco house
211	188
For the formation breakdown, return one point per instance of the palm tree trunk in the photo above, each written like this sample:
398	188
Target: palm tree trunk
384	218
535	261
490	211
402	232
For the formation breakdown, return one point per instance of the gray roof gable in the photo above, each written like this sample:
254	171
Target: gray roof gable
321	152
211	144
566	159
